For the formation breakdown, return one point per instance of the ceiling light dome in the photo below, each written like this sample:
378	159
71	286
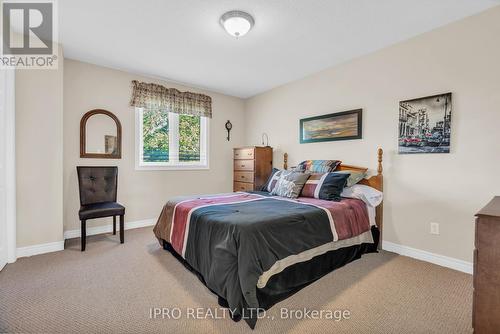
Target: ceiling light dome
237	23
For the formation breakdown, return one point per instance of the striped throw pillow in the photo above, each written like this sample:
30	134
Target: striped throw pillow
318	166
327	186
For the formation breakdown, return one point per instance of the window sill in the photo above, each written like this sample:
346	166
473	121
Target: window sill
177	168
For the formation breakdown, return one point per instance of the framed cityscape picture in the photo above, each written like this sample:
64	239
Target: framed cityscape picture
425	125
337	126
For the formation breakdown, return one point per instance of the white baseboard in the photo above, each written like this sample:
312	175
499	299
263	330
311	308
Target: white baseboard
70	234
39	249
419	254
59	245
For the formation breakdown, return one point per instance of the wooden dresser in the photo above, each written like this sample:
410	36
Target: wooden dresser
486	305
252	167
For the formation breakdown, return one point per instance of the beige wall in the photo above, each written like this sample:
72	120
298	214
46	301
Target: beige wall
143	193
419	189
39	155
445	188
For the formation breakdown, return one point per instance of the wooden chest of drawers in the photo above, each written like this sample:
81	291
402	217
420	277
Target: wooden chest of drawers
486	304
252	166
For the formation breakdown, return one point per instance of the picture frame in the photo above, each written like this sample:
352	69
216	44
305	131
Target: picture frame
110	144
345	125
425	124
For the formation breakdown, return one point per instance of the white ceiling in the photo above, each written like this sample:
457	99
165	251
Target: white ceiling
182	40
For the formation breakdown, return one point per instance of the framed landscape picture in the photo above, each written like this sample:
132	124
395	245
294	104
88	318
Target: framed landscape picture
425	125
337	126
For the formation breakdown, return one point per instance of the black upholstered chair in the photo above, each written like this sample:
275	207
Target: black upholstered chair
98	197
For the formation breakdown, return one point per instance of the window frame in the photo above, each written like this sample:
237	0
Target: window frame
173	133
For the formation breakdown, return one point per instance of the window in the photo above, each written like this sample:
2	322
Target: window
166	140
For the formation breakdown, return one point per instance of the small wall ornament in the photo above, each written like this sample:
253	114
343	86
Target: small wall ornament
229	126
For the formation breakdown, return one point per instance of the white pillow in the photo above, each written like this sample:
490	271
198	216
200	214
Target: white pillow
369	195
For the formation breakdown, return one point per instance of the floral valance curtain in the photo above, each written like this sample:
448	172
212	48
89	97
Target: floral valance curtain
157	97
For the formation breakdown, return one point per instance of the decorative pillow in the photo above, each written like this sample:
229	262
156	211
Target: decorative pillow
290	184
354	178
327	186
275	179
266	186
318	166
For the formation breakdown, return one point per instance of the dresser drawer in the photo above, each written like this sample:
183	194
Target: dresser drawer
243	177
486	303
486	307
245	165
486	267
488	235
243	186
488	252
244	153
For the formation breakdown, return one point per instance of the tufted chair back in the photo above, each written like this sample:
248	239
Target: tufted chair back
97	184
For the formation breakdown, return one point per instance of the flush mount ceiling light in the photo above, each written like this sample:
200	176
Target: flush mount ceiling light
237	23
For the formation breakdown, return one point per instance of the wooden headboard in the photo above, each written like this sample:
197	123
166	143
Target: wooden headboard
375	181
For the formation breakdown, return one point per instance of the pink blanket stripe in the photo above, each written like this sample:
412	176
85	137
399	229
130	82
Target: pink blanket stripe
350	216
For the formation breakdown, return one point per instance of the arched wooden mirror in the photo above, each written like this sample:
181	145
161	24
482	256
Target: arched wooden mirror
100	135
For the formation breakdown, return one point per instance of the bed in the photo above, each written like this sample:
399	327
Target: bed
253	249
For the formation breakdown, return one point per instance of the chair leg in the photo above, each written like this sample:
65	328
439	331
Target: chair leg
122	229
84	234
114	225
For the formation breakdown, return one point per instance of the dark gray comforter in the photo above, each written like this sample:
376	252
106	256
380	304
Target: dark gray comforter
232	244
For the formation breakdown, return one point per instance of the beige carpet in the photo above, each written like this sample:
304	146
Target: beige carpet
111	287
